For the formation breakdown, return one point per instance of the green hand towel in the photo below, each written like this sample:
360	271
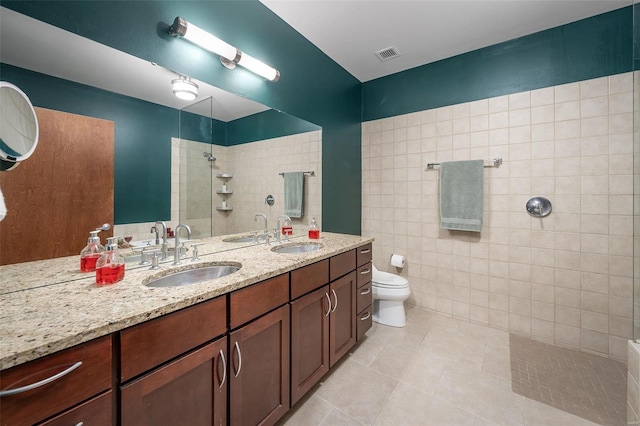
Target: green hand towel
461	193
293	194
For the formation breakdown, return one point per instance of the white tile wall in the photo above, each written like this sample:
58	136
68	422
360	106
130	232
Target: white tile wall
565	279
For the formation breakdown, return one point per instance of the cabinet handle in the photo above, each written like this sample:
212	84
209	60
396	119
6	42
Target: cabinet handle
335	297
80	424
224	368
328	300
365	272
366	291
41	382
365	251
239	359
366	318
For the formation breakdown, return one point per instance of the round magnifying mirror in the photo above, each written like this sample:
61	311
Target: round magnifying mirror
18	126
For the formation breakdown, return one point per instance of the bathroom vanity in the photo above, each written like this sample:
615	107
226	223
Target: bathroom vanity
241	349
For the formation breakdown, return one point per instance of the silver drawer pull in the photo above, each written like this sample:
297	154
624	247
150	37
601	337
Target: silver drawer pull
224	368
336	297
80	424
366	317
239	360
328	300
366	291
41	382
365	272
365	251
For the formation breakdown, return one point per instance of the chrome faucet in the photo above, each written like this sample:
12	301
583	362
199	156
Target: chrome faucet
264	217
164	237
176	251
279	230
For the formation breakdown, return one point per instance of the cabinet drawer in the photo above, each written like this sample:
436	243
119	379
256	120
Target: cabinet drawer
91	376
147	345
364	296
342	264
309	278
95	412
251	302
364	254
364	274
363	322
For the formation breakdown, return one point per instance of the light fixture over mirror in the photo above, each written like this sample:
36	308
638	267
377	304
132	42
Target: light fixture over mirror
229	55
18	126
184	88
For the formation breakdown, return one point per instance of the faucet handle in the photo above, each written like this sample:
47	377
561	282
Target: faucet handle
194	255
154	259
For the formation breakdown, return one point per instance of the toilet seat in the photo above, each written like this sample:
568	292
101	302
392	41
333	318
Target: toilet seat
386	280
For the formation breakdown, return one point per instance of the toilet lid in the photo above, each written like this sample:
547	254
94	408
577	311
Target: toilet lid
387	280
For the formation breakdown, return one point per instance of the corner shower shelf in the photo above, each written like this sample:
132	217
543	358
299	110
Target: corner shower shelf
224	175
224	209
222	191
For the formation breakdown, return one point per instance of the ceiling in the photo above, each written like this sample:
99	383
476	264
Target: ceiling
423	31
349	32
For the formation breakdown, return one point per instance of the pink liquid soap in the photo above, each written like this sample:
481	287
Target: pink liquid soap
88	263
314	234
109	275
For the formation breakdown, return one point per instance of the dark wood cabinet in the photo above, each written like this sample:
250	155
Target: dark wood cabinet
95	412
67	378
259	370
191	390
342	320
309	341
179	366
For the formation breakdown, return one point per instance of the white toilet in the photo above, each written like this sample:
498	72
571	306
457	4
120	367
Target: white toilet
389	293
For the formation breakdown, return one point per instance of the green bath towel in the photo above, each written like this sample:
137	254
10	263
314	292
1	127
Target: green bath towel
461	193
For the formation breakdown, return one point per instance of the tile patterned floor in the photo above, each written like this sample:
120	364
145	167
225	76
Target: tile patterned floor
437	371
587	385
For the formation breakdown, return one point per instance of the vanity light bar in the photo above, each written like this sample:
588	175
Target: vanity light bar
229	55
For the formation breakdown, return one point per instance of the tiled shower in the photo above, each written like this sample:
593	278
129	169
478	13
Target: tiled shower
565	279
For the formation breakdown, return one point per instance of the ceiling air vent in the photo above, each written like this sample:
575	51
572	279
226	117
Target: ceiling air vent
388	53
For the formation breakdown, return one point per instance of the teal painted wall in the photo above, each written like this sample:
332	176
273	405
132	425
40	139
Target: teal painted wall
590	48
265	125
312	86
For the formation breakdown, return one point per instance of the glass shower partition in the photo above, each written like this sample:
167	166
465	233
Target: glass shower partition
196	159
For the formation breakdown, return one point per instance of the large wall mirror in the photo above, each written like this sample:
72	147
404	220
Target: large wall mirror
219	133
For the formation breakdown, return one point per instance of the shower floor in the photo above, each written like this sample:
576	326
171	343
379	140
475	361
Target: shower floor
583	384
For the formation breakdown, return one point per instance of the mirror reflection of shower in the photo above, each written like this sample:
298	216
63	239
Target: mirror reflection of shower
209	156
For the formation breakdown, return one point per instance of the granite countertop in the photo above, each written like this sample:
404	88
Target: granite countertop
40	316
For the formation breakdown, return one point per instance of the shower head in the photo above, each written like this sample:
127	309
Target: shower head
209	156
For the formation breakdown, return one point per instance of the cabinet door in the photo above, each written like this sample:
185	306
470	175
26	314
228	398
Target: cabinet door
259	370
191	390
343	317
309	341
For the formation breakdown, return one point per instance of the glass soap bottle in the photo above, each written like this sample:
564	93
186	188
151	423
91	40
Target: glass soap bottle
314	231
90	254
110	266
